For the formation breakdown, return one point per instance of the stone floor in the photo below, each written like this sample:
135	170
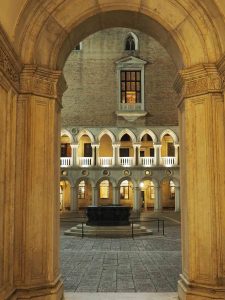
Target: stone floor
121	296
122	265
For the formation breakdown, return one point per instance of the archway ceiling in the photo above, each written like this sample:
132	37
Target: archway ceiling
192	31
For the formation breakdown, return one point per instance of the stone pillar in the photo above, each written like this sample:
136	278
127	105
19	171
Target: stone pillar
36	267
137	199
93	146
177	198
157	203
116	199
157	148
94	196
137	147
74	198
176	147
202	177
116	148
74	148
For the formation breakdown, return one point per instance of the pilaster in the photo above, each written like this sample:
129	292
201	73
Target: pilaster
201	117
36	268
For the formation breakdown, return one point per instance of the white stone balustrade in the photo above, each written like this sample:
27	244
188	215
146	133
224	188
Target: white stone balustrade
85	161
148	161
65	162
168	161
126	161
105	161
130	106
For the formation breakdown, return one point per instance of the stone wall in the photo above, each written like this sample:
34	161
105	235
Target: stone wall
91	98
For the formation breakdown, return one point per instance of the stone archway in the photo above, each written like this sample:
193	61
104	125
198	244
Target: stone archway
44	36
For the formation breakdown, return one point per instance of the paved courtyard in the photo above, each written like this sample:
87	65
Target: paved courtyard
143	264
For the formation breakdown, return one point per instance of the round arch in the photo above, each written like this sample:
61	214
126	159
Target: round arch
66	132
86	179
59	27
110	179
134	182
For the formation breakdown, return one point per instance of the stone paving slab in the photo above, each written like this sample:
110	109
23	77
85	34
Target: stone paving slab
121	296
122	265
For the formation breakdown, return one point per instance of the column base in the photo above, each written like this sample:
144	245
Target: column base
52	292
191	291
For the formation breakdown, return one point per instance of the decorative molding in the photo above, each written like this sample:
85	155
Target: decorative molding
42	82
221	70
198	80
10	65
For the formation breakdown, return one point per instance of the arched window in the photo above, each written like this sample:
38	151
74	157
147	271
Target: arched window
131	42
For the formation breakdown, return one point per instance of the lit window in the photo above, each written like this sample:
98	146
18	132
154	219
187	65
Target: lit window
124	190
172	190
130	87
104	189
81	190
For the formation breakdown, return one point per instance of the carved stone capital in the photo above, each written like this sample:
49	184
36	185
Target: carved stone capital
9	62
198	80
221	70
42	82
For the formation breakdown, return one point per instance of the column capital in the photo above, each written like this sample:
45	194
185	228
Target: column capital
198	80
155	145
74	145
221	70
136	145
176	145
95	145
116	145
42	82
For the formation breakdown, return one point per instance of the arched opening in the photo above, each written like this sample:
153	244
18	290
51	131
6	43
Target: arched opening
127	193
147	194
147	152
167	195
65	196
106	158
66	153
84	194
168	154
131	42
105	193
85	153
126	154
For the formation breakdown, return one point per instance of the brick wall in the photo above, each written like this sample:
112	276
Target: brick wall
91	98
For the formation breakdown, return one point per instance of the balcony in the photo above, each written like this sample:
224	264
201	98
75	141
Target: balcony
66	162
105	161
85	162
126	161
168	161
147	161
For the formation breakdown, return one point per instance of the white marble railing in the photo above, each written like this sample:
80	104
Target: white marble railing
126	161
85	161
147	161
105	161
65	162
168	161
130	106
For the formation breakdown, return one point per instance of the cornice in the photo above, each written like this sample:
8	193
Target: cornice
10	65
198	80
42	82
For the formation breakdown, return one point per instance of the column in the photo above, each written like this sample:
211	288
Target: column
94	195
177	198
157	148
93	146
137	147
37	192
176	146
116	148
74	198
74	148
116	199
157	203
202	177
137	199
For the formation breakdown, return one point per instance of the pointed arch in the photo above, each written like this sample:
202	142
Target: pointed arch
107	132
86	132
150	133
66	132
171	133
131	42
129	132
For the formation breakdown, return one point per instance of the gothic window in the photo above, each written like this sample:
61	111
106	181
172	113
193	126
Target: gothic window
131	86
130	43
